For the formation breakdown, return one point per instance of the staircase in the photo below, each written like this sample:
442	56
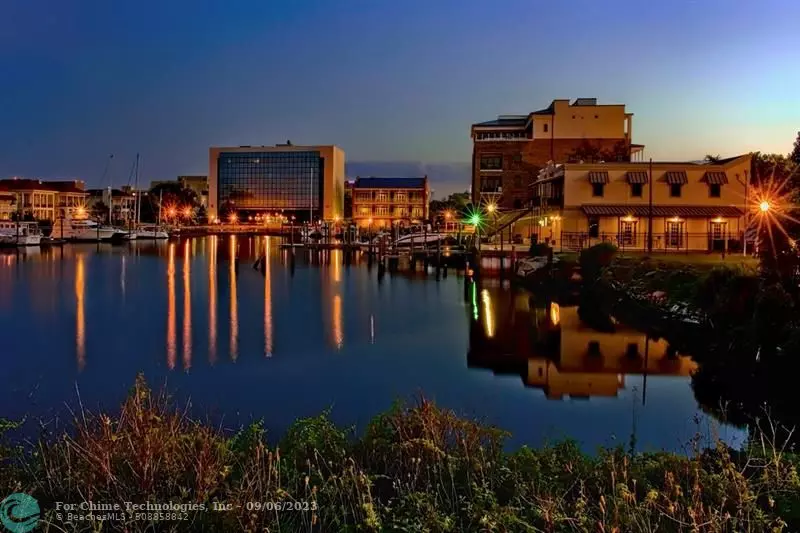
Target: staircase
502	221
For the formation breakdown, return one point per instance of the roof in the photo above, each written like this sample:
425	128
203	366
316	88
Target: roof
549	110
390	183
504	122
688	211
19	184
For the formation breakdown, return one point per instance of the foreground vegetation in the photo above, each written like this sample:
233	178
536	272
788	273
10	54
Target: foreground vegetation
417	468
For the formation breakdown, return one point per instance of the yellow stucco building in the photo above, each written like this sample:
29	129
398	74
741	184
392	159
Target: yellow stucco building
689	206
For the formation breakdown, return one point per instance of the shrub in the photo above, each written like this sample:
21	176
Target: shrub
593	260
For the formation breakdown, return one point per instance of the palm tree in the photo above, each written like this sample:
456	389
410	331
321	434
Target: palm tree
712	158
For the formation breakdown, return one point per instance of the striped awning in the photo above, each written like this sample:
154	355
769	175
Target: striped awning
641	210
715	178
676	177
598	176
637	177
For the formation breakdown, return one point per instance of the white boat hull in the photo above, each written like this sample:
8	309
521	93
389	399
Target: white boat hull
22	240
152	234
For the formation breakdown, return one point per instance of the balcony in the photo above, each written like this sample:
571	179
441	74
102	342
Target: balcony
493	136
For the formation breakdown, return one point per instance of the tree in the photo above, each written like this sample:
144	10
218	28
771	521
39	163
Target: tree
712	158
100	210
795	155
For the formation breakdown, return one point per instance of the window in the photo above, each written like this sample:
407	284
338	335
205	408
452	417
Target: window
400	197
628	233
491	184
271	180
382	210
636	190
545	128
675	190
382	196
597	189
518	182
594	227
675	234
494	162
714	190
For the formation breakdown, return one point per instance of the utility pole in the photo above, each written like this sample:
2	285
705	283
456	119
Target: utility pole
746	213
650	209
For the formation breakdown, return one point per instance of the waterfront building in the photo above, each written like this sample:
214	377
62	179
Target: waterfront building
46	200
8	204
348	199
383	202
122	201
690	206
301	181
508	152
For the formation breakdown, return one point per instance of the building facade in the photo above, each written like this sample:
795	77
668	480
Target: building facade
301	181
122	201
383	202
689	206
507	153
8	204
46	200
198	184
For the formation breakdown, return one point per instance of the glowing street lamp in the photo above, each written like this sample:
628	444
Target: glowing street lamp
491	208
233	218
764	206
172	212
187	212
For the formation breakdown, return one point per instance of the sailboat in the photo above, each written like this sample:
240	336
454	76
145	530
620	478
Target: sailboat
149	231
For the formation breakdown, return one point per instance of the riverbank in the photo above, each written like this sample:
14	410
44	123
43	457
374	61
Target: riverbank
417	468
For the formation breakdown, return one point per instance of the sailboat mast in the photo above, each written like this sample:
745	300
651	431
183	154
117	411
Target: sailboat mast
138	195
160	199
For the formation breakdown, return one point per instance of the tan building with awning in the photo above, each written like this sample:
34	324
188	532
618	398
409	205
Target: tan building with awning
689	206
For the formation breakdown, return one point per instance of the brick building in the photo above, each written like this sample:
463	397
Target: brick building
508	152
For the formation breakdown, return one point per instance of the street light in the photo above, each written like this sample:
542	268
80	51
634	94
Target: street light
764	206
233	218
187	212
491	208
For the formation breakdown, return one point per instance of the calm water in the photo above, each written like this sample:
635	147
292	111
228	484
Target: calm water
304	335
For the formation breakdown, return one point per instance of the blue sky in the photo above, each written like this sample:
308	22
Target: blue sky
388	81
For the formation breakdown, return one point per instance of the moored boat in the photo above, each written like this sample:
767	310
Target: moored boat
83	230
151	232
20	233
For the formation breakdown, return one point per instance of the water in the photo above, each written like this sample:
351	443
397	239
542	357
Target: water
315	333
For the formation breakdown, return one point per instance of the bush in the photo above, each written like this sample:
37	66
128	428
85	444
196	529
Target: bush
539	249
593	260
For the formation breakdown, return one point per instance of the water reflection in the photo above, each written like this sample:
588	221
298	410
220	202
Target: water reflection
212	300
234	303
552	349
122	278
171	318
187	307
80	311
267	299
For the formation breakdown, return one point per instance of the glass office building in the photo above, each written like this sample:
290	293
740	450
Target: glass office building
301	181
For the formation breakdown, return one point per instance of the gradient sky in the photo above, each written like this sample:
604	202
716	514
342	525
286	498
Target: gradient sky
387	81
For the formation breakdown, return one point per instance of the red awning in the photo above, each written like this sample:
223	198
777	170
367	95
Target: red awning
598	176
676	177
715	178
686	211
637	176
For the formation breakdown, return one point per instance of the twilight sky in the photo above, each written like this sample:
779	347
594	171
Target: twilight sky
388	81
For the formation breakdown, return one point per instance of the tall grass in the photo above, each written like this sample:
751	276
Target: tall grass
415	468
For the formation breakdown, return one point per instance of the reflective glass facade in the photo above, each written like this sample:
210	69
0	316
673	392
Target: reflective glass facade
270	180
